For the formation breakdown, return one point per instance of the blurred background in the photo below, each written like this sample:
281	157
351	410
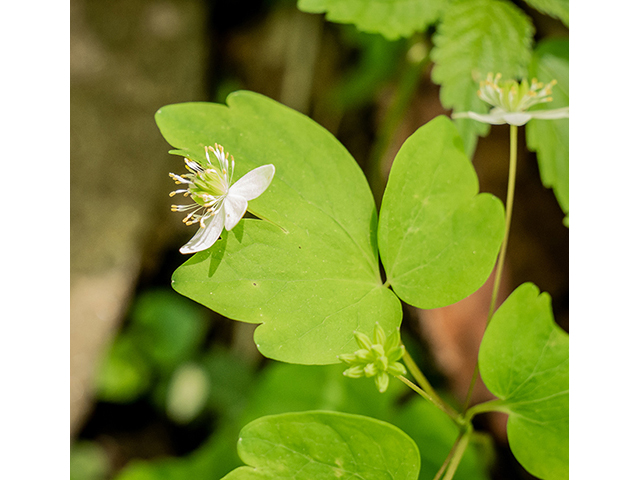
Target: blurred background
161	386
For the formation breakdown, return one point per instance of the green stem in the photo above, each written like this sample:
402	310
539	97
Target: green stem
447	460
490	406
458	452
513	156
455	416
418	375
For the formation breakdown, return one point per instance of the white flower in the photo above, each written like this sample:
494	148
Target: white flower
217	204
511	100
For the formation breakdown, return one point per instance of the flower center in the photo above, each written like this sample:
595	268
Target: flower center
512	96
207	186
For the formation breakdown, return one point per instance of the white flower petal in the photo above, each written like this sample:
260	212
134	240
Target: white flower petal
254	183
234	208
517	118
207	236
551	114
492	118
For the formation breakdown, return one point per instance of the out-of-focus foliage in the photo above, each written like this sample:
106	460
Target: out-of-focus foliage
378	61
165	330
554	8
550	138
391	18
477	37
188	392
88	462
124	374
282	388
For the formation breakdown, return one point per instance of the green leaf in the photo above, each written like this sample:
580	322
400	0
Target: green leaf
309	274
555	8
550	138
438	238
524	361
477	37
319	445
391	18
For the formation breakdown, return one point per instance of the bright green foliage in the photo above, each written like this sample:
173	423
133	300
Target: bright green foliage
438	238
555	8
325	445
165	330
391	18
550	138
124	373
166	327
524	361
309	274
378	61
477	37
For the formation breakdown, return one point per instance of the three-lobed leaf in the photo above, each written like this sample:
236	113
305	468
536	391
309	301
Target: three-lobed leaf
524	361
477	37
309	273
550	138
391	18
438	238
320	444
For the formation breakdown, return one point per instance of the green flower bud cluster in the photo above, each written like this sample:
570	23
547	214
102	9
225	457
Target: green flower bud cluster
376	359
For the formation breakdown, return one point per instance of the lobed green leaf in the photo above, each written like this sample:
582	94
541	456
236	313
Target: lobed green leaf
325	445
438	238
524	361
308	274
477	37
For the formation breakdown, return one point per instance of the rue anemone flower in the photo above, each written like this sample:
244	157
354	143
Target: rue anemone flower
511	101
377	358
217	203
